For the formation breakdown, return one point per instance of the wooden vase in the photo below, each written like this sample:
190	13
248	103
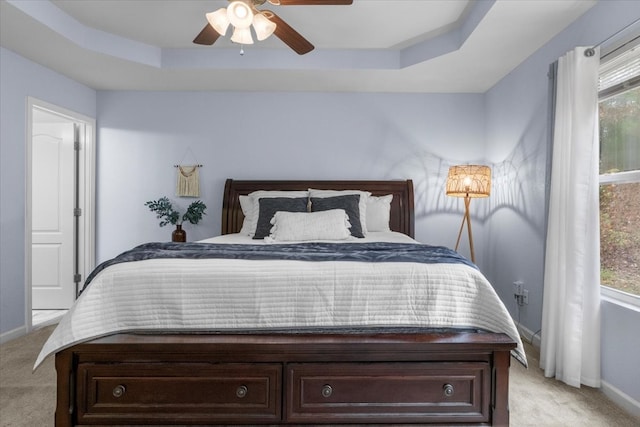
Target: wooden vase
179	235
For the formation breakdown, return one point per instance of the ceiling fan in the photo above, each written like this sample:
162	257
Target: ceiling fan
242	14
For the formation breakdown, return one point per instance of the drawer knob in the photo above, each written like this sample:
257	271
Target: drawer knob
242	391
118	391
448	390
327	390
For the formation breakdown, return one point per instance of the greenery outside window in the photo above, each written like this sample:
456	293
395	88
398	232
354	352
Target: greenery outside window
619	110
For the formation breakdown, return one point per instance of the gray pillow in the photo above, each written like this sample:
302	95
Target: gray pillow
268	206
350	204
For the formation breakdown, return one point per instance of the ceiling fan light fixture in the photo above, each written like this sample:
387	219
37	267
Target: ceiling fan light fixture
242	36
243	14
219	20
240	14
263	26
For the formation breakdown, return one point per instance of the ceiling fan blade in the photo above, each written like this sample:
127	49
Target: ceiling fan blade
288	35
315	2
207	36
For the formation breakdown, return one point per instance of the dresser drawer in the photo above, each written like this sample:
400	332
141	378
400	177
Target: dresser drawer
388	392
191	392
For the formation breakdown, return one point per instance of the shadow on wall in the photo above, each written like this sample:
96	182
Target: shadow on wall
429	174
518	184
521	180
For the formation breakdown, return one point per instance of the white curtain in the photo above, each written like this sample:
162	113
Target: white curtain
570	347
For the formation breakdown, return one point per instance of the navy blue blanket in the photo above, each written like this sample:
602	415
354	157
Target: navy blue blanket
364	252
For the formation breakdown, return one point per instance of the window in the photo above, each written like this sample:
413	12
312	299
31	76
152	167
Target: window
619	111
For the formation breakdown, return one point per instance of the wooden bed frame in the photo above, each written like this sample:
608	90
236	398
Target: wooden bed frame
283	379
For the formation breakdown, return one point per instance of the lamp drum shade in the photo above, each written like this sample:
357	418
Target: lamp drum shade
469	181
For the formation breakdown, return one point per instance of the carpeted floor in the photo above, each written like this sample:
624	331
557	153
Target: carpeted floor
28	398
538	401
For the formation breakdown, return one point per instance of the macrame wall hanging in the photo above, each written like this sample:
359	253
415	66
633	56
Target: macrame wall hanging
188	180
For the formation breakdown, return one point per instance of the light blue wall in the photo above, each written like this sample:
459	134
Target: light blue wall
19	79
516	121
620	345
276	136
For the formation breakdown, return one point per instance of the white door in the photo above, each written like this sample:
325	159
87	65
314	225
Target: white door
52	226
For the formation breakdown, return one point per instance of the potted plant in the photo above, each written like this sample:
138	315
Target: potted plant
165	211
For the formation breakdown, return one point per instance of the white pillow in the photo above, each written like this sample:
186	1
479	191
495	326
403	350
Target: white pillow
308	226
362	205
379	212
251	207
246	204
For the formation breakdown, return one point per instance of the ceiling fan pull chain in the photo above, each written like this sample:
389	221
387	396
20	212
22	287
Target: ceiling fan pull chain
241	50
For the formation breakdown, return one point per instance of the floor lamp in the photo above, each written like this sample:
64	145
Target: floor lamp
468	181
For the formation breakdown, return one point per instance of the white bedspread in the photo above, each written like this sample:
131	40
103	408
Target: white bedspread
183	295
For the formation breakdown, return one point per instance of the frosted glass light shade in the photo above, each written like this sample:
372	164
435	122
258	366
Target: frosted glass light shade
264	28
240	14
469	181
219	20
242	36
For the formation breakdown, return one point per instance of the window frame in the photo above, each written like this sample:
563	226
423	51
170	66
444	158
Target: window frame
626	177
620	296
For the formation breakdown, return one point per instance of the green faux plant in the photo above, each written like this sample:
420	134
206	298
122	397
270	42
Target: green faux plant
165	211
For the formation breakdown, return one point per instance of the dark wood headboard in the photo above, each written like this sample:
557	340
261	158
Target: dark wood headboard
402	219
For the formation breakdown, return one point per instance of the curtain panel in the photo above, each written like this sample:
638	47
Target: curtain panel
570	345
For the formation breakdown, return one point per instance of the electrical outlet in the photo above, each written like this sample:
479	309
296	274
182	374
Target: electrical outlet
520	293
523	298
518	287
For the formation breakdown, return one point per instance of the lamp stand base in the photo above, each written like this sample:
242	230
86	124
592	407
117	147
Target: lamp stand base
467	219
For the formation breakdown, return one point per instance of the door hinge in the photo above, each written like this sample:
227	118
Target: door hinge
77	278
76	145
77	212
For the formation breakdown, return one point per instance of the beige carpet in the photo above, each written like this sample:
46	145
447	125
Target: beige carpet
28	399
538	401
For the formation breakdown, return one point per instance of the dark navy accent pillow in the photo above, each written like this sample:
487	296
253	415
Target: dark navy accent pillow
350	203
268	206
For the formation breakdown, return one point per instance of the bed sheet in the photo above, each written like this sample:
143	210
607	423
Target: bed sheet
226	295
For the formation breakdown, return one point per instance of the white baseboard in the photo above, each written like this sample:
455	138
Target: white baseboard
621	399
532	337
13	334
